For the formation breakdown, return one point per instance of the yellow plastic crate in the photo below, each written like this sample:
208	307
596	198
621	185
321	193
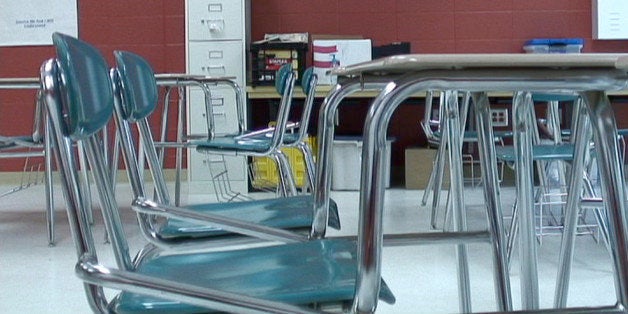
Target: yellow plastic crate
264	169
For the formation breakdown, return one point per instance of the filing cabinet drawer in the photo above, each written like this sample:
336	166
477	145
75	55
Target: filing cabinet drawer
224	110
215	20
223	58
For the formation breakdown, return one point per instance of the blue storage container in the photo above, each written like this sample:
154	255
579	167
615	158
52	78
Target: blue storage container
554	45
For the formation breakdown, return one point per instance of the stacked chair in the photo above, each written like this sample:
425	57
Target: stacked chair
137	87
300	276
250	144
297	139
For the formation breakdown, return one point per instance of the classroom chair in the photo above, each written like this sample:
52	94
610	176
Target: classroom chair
298	277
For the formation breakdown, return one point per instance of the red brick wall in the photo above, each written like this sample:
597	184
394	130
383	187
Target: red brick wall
435	26
155	29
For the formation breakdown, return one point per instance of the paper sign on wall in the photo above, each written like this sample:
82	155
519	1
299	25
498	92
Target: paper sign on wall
329	54
32	22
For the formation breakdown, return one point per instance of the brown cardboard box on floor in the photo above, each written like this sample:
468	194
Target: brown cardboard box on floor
418	167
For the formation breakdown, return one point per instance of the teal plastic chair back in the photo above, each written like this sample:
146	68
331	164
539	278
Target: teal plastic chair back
84	71
280	77
139	87
307	80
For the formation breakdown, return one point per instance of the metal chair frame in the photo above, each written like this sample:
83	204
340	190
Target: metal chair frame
38	145
128	117
127	276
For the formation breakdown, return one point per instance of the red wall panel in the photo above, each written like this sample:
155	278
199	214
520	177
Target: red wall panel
155	29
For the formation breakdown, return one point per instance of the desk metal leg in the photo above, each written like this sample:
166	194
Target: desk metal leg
488	164
438	172
452	118
572	209
613	187
522	104
326	126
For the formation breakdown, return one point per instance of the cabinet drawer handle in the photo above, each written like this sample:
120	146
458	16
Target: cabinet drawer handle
213	68
218	101
215	54
214	7
215	25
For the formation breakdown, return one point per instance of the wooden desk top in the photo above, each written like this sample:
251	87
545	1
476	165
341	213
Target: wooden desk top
268	92
426	62
497	61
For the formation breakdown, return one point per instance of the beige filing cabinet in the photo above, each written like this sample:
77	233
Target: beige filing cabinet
217	37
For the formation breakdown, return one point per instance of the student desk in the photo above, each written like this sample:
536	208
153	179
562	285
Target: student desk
398	77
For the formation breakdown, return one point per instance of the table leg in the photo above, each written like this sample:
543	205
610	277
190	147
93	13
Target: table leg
326	126
613	187
452	120
522	104
571	210
488	164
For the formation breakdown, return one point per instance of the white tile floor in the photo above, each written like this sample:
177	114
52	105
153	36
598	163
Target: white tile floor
35	278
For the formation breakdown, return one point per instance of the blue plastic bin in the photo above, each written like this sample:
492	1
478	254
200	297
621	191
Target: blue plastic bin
554	45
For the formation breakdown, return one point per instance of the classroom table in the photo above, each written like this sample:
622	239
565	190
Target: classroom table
589	76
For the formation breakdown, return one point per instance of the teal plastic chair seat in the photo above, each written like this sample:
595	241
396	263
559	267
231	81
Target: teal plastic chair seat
231	143
539	152
553	97
256	143
322	270
473	135
286	213
620	132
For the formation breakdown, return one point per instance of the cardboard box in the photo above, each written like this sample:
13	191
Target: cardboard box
418	168
330	53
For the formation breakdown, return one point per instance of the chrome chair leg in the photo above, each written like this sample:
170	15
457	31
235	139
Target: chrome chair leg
600	215
512	233
86	187
287	183
430	186
310	168
438	182
50	208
